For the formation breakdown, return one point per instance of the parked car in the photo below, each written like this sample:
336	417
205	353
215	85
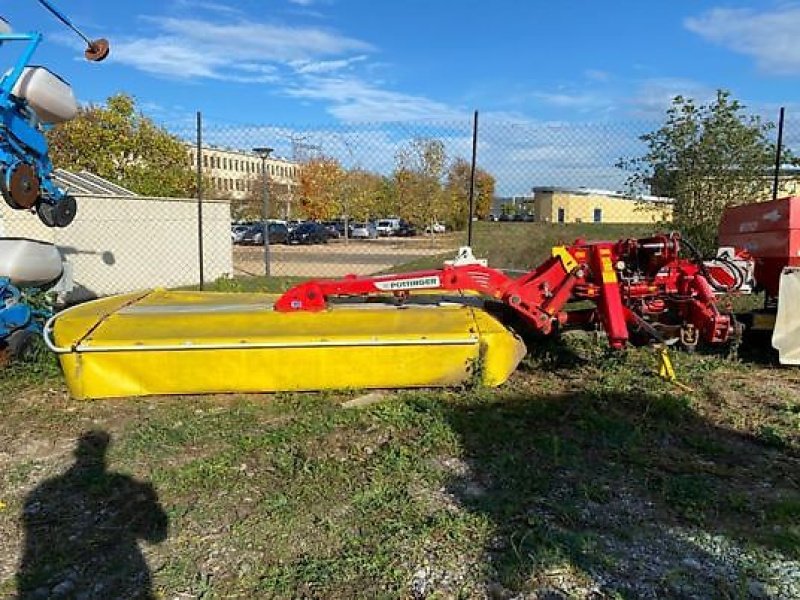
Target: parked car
278	234
435	228
293	224
237	231
528	218
387	227
364	231
491	217
405	229
309	233
505	218
335	229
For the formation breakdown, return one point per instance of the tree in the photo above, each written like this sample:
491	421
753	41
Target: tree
250	207
321	182
418	180
457	188
118	143
706	157
362	194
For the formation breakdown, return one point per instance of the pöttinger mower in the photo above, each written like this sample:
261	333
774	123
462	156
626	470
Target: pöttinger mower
429	328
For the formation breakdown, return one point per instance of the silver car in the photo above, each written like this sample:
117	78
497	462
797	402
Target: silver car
363	231
237	233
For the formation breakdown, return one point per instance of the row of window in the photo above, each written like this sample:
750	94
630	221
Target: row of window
597	215
229	184
243	165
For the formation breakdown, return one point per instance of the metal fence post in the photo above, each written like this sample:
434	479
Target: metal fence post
472	178
264	153
778	152
199	168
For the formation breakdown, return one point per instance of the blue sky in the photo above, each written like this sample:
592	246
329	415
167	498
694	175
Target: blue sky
336	72
319	61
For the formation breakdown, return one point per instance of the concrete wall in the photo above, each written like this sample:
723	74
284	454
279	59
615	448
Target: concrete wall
613	209
120	244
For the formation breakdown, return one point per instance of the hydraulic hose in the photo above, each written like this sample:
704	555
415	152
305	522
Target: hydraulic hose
737	273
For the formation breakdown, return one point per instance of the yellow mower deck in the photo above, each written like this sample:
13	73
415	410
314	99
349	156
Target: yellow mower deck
163	342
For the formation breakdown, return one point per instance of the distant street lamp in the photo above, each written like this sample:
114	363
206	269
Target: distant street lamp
263	154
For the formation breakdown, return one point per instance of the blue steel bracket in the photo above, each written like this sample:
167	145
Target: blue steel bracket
15	314
23	144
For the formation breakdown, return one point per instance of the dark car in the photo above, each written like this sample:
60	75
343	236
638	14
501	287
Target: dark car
335	229
405	229
278	234
504	217
309	233
528	218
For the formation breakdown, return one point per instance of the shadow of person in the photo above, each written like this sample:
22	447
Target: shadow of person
82	530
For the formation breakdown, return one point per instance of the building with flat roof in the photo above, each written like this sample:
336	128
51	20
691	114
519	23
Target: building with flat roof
234	173
586	205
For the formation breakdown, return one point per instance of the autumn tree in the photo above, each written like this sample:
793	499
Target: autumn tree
250	206
363	195
457	192
321	181
706	157
418	177
118	143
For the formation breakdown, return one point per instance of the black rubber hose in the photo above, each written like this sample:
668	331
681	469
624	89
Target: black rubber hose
738	276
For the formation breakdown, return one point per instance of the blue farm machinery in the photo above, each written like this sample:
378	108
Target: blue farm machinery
32	100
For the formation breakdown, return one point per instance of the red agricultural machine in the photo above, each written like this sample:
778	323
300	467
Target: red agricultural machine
437	327
635	289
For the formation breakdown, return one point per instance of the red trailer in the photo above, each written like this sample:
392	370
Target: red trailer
770	232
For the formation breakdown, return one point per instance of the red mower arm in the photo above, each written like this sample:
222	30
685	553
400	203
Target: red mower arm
633	284
538	296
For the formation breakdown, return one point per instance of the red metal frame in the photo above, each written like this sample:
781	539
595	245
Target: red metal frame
633	284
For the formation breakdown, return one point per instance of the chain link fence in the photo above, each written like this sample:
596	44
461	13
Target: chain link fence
367	199
374	198
381	197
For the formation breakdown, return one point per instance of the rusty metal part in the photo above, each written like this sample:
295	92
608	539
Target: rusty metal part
5	356
21	188
97	50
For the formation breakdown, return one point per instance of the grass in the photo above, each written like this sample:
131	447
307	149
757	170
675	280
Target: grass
581	460
584	472
526	245
275	284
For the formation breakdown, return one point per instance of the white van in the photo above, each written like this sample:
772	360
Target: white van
387	227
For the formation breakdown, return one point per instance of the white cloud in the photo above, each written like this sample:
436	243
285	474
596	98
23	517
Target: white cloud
653	96
769	36
194	48
302	62
215	7
325	66
358	101
302	2
581	102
